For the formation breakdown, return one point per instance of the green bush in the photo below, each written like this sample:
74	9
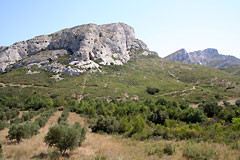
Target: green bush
3	125
200	152
108	125
237	103
169	149
211	109
16	132
30	129
152	91
37	102
63	118
65	137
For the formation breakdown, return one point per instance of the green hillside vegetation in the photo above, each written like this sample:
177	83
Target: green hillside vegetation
173	80
233	70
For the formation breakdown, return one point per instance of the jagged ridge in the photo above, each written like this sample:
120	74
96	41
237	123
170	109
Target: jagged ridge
86	47
208	57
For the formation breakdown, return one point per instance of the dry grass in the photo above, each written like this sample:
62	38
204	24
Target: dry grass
112	147
28	148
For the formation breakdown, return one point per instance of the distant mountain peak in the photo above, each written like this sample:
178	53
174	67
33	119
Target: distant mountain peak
84	48
208	57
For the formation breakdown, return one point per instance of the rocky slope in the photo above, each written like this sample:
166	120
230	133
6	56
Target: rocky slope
208	57
75	50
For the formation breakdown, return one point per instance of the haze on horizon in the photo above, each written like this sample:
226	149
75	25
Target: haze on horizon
165	26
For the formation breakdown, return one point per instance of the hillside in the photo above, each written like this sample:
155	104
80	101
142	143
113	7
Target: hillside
235	70
208	57
174	80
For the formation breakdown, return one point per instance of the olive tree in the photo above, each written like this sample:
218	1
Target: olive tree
65	137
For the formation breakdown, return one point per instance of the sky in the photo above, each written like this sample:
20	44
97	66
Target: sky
164	25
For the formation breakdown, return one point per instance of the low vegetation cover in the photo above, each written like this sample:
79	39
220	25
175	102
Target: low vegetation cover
164	119
137	119
26	130
64	136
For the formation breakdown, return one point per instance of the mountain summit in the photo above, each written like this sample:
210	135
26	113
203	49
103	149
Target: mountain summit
208	57
75	50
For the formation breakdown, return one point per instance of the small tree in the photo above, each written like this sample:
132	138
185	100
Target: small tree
237	103
152	91
3	124
65	137
16	132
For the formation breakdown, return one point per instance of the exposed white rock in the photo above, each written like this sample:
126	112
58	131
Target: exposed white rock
208	57
57	77
32	72
87	46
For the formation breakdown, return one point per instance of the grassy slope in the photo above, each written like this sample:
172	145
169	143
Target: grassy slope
174	80
233	70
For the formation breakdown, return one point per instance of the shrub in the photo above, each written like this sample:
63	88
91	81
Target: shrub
155	150
199	152
30	129
237	103
159	117
193	115
152	91
3	124
65	137
63	118
26	116
3	116
211	109
169	149
41	121
138	124
16	132
37	102
108	125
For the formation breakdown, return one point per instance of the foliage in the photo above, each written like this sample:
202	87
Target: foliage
211	109
63	118
109	125
16	132
152	91
3	125
23	131
238	103
65	137
169	149
37	102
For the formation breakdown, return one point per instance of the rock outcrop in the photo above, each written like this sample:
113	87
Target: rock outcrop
208	57
75	50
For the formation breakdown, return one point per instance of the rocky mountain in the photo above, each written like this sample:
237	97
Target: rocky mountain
75	50
208	57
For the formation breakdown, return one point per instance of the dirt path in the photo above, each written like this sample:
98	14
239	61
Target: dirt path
28	148
80	97
220	103
175	92
19	85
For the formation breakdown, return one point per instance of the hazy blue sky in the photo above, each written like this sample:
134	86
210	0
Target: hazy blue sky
165	25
